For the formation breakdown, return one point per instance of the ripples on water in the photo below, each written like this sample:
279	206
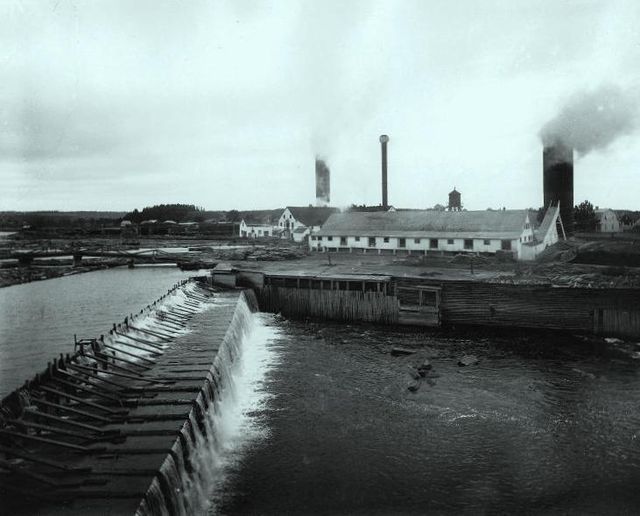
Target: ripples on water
541	425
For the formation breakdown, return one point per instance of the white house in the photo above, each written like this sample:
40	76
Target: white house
255	230
607	221
259	223
429	231
298	222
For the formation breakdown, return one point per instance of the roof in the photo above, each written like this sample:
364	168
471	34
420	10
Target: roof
600	213
465	224
261	217
379	207
301	229
312	215
550	217
328	276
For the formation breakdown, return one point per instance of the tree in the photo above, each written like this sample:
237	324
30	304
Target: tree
233	216
584	217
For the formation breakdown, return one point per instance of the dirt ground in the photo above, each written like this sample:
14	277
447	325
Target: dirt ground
574	263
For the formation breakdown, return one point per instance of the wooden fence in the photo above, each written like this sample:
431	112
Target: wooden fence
340	305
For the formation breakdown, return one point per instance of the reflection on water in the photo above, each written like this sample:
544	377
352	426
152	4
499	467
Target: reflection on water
539	426
38	320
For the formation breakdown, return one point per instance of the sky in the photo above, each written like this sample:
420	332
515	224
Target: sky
115	105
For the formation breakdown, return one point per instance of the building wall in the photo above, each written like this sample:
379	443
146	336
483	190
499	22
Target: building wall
255	230
287	217
608	222
352	242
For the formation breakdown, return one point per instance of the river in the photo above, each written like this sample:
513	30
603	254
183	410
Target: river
38	320
323	423
542	425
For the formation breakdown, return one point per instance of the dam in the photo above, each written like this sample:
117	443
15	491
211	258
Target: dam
314	417
129	422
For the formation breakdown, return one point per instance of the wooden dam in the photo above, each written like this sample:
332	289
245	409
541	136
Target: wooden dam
111	427
118	425
420	301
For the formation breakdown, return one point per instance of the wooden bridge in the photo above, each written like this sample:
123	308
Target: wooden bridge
26	257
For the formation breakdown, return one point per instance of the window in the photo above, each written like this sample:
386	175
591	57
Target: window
372	241
357	239
402	242
343	240
330	239
450	241
313	238
468	243
487	242
266	233
386	240
416	240
506	245
433	243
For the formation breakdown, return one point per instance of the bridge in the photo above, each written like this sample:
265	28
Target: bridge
25	257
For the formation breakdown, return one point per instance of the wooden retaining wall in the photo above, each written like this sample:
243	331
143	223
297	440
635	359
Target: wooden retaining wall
536	306
340	305
618	322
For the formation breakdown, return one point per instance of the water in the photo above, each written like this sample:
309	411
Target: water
540	426
317	419
38	320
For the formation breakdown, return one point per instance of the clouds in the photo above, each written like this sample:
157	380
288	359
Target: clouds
201	101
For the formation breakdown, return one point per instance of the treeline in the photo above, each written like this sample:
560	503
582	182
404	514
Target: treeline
162	212
42	219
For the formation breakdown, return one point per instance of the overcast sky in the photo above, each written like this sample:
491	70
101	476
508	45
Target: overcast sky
113	105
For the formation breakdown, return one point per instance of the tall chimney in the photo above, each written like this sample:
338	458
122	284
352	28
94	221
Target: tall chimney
383	143
557	164
323	184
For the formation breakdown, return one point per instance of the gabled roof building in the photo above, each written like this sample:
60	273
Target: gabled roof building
310	218
429	231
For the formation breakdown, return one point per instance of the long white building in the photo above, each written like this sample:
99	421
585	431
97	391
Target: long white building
439	232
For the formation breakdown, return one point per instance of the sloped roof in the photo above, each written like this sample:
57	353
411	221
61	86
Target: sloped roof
312	215
261	217
465	224
549	218
600	213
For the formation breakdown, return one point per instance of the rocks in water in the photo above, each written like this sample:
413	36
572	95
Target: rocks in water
424	368
468	360
419	375
415	374
413	385
396	351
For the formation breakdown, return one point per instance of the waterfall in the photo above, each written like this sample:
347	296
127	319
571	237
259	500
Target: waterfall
220	424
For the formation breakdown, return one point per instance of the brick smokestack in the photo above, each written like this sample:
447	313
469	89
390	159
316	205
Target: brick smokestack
323	183
383	144
557	164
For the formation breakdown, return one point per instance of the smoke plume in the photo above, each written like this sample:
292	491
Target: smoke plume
592	120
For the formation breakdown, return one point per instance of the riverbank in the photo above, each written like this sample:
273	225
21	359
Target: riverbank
17	275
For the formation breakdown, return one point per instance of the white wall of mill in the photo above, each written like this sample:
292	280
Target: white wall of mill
495	244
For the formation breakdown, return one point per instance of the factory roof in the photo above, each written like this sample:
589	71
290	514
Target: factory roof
462	224
311	215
